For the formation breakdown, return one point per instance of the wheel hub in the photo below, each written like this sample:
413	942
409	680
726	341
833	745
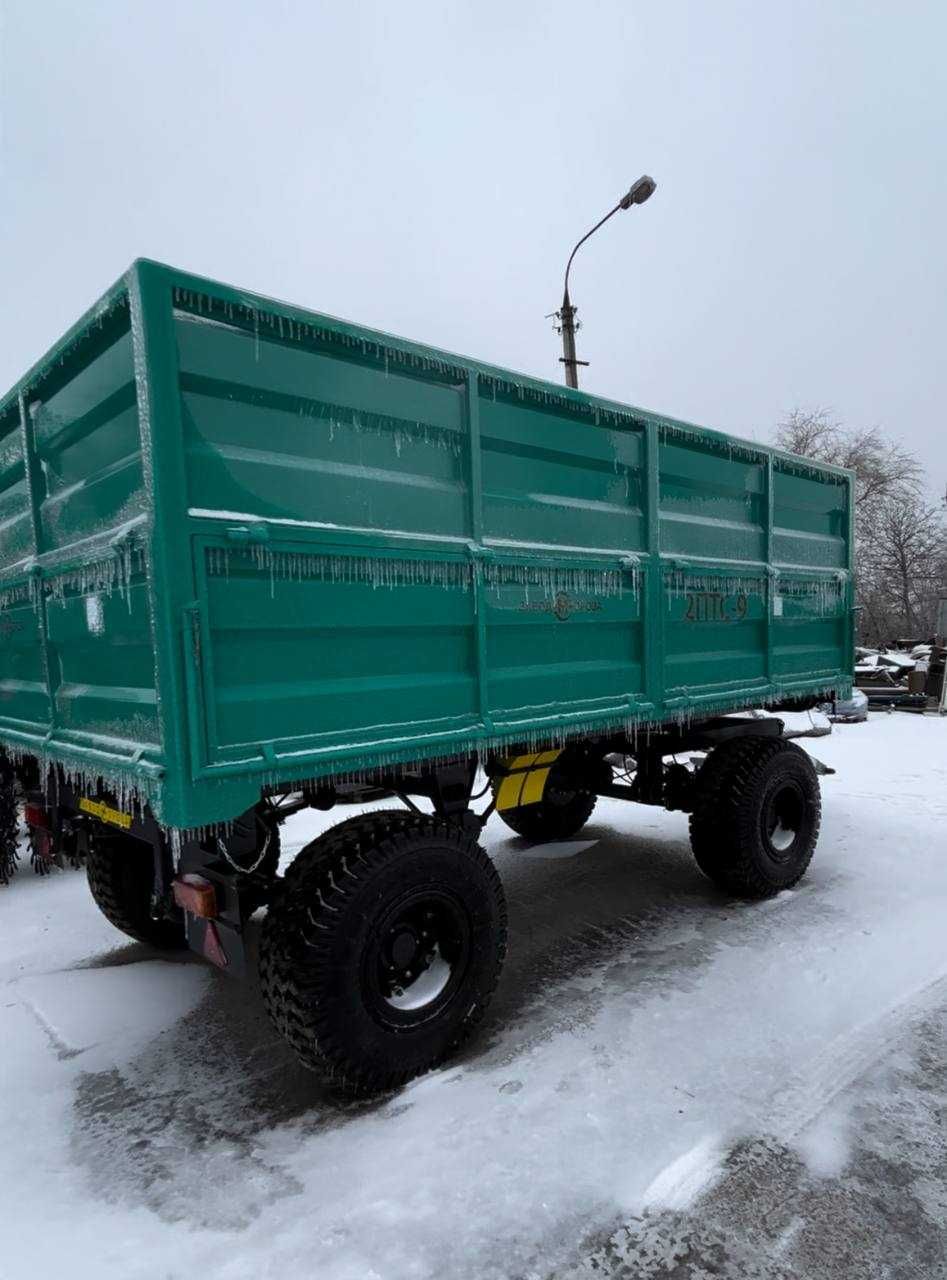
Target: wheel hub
404	948
421	951
783	820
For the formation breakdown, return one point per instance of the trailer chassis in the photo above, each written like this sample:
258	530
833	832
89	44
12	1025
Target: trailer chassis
752	797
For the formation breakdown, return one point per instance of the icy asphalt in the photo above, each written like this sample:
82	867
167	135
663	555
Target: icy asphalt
670	1084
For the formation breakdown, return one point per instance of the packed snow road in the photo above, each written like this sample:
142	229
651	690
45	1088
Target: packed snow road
669	1083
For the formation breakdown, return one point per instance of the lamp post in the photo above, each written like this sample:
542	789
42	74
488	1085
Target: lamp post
637	193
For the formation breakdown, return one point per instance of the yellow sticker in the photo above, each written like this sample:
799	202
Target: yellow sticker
534	786
525	780
106	813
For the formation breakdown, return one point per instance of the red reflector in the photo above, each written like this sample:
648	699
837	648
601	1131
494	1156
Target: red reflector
213	947
36	816
196	895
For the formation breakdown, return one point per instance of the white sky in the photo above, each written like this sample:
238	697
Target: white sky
425	168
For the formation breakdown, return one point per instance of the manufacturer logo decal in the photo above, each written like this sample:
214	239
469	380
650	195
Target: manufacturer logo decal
106	813
562	605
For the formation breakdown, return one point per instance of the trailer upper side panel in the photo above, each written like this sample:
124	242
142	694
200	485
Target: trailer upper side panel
394	553
76	657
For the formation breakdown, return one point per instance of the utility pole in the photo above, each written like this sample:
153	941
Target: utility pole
638	193
567	327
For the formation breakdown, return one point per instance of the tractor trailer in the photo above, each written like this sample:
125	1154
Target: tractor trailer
255	559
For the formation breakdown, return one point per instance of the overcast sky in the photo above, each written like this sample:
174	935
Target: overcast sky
425	168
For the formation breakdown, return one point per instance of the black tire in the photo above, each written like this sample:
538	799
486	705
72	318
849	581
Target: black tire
121	877
561	813
305	862
756	816
353	916
9	822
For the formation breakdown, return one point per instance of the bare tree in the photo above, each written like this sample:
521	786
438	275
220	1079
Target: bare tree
882	466
902	566
900	561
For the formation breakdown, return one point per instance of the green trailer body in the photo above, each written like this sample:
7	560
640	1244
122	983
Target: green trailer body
244	545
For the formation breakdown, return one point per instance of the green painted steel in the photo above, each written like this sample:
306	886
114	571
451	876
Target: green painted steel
243	544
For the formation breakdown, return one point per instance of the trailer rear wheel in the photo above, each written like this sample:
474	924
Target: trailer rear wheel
384	948
563	811
756	816
121	877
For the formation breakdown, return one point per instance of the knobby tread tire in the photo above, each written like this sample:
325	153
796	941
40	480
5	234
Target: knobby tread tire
120	870
9	822
314	1002
545	820
724	826
306	862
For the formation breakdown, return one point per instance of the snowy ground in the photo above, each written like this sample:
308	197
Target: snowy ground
669	1085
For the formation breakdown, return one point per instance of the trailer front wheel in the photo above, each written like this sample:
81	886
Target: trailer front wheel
384	949
121	877
756	816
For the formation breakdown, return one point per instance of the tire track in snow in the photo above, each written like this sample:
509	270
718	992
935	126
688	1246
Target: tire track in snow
847	1057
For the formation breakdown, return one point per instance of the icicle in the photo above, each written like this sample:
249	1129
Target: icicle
822	595
554	579
376	571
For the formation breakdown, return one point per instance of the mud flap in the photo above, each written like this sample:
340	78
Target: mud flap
220	940
825	770
525	779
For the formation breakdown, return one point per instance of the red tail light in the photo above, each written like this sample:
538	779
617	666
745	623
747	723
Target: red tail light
36	816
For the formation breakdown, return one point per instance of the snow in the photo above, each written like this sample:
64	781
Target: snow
796	724
247	517
154	1126
685	1178
826	1144
126	1006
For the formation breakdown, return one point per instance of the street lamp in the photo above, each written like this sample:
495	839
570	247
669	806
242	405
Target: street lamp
637	193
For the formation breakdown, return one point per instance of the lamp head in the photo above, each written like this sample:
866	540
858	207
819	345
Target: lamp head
638	192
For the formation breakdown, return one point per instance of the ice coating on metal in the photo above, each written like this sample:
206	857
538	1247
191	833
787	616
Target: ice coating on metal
587	580
826	593
374	571
103	572
673	432
130	792
389	572
283	522
81	334
679	582
272	326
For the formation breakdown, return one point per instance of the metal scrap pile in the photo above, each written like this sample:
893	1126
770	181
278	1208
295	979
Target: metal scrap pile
910	678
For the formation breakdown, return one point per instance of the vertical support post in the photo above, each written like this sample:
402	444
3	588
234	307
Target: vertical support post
170	573
654	610
35	484
474	458
475	485
33	471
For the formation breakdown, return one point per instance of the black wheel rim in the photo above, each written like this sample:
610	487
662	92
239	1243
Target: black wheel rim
558	797
416	958
783	821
